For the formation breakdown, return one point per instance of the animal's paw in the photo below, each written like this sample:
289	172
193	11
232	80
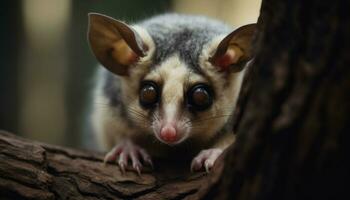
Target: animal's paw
125	151
205	159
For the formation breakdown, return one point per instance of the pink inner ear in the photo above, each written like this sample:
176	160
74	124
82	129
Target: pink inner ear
132	57
225	60
123	54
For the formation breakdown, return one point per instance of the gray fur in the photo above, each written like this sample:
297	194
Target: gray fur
172	33
111	89
182	34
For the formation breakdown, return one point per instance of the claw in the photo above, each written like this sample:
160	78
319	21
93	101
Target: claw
105	160
112	155
207	166
205	159
122	167
126	151
137	166
138	170
196	163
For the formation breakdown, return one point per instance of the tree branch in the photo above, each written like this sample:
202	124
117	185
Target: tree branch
33	170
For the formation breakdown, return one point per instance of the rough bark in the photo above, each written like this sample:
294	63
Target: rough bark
33	170
293	137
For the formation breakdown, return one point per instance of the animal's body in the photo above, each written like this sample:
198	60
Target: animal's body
170	87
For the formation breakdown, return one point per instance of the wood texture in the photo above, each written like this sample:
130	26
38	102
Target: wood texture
293	137
33	170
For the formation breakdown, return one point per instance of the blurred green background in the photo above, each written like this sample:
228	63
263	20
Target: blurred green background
46	71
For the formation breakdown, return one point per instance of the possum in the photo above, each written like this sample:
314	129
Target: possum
167	88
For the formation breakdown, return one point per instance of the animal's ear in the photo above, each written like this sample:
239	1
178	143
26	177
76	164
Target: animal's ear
115	44
235	49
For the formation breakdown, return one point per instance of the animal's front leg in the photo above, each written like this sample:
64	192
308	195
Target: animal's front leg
126	150
205	159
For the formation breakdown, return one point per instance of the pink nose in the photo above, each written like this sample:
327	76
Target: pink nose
168	133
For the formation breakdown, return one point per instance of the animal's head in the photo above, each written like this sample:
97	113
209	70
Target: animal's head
180	75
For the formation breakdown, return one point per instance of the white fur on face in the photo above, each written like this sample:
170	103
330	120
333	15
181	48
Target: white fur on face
173	76
176	78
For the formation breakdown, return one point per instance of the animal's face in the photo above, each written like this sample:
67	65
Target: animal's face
164	93
174	102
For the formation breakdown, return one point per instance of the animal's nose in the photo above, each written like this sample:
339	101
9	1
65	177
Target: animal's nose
168	133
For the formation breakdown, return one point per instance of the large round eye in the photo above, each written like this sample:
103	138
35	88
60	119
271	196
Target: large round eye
200	97
148	94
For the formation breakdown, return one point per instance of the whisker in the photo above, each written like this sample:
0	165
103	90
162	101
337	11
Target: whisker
138	114
134	111
206	119
156	116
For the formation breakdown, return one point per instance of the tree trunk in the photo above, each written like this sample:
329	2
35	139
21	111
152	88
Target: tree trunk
293	137
292	133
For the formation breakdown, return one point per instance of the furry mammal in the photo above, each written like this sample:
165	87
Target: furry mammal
171	81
